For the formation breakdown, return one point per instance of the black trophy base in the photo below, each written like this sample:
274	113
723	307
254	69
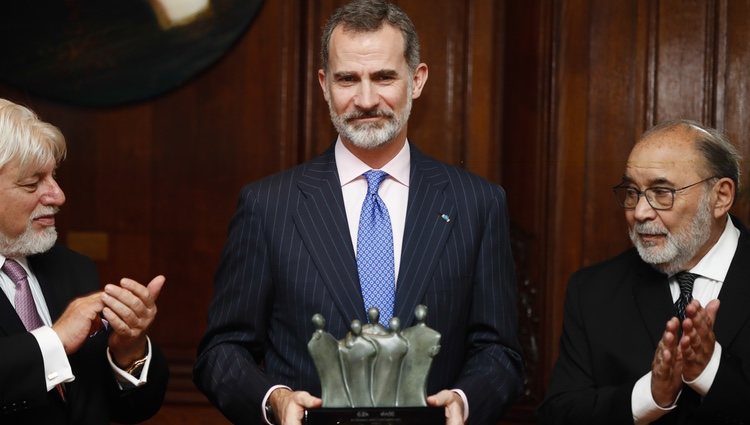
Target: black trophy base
375	416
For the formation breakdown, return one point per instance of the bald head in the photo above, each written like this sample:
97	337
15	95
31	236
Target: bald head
708	149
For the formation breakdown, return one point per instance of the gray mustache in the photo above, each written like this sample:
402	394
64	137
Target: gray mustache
367	114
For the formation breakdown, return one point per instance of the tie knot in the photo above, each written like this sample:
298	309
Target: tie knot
14	270
685	280
374	178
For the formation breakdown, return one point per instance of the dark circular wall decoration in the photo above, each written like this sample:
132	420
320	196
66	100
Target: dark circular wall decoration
109	52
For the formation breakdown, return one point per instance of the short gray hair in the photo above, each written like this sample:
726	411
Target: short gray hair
369	16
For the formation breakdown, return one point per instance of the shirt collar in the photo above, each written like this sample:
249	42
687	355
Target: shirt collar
20	260
350	167
715	264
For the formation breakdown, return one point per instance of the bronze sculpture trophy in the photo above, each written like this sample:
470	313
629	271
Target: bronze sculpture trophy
375	375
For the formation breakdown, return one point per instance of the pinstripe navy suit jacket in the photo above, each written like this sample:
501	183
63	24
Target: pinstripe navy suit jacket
289	255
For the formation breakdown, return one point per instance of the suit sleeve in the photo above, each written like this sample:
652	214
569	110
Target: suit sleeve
94	373
21	372
227	368
727	399
137	404
573	396
492	374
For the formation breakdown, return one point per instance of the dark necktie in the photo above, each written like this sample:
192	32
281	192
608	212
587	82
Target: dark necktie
23	301
685	281
375	262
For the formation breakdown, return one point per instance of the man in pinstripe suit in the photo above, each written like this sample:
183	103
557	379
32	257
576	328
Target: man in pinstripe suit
291	248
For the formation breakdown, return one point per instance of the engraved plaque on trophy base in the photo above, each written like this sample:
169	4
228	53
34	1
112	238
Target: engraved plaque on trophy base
375	416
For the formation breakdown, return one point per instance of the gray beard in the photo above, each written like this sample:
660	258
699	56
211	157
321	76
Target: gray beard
370	135
29	242
679	248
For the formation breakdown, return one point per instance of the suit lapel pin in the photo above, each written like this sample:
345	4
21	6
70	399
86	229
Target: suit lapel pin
446	218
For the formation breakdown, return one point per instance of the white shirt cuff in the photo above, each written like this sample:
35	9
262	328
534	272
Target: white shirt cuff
56	366
124	378
466	402
265	400
645	409
703	382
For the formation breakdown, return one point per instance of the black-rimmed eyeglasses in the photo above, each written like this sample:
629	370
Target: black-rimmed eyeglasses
660	198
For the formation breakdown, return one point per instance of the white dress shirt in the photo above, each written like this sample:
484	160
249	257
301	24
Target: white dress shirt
394	191
712	270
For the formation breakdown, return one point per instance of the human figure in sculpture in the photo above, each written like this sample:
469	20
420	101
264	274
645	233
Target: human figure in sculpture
392	348
357	356
374	326
324	349
424	344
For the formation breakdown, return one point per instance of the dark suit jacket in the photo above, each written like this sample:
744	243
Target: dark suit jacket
93	398
615	314
289	255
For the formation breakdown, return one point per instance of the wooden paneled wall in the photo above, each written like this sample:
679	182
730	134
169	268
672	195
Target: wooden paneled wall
605	72
545	97
617	69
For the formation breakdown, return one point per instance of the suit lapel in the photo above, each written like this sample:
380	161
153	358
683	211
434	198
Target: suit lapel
735	292
653	299
425	232
51	284
321	221
9	321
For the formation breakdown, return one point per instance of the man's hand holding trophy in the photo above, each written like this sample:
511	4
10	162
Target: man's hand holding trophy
375	374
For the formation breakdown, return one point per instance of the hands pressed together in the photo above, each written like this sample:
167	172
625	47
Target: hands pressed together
683	357
130	308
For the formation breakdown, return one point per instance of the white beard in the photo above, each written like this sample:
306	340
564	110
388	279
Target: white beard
31	241
680	247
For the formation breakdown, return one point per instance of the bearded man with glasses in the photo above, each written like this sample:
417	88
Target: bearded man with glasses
643	338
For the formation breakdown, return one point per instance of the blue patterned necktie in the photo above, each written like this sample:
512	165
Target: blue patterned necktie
375	261
685	280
